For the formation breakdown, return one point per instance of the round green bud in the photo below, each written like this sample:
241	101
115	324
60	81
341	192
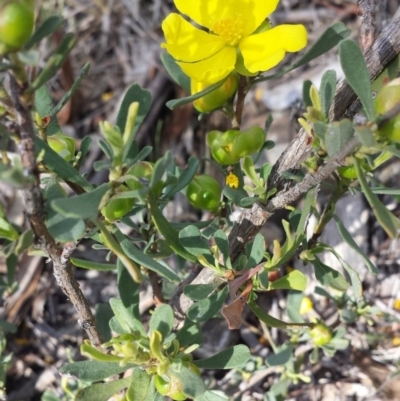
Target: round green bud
320	335
204	192
17	20
139	170
117	208
63	144
229	147
217	98
386	99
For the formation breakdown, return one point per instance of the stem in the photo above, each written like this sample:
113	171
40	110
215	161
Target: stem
60	255
242	92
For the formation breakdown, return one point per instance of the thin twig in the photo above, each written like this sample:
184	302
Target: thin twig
59	255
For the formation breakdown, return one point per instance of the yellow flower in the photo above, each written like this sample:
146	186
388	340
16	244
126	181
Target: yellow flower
396	304
306	305
233	37
232	180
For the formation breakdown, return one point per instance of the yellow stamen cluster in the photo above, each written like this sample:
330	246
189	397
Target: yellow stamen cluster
232	180
230	30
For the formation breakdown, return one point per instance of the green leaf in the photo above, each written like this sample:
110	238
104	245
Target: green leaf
59	166
7	327
208	307
191	239
293	304
210	396
230	358
24	241
63	229
306	93
328	276
350	241
82	74
129	291
162	320
385	191
84	150
192	385
103	316
49	26
54	62
43	105
273	322
125	317
295	280
85	206
175	71
144	260
134	94
197	292
357	75
256	252
353	275
93	371
87	264
173	104
338	135
221	240
7	231
139	386
327	41
189	334
307	208
102	391
280	358
184	178
386	219
164	227
327	91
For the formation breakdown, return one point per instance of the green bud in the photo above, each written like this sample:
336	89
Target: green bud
204	192
217	98
17	20
229	147
63	144
387	98
117	208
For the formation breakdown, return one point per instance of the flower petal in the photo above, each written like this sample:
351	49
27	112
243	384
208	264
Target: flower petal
212	69
206	12
265	50
186	42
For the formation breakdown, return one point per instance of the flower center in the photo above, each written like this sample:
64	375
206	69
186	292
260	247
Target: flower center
230	29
